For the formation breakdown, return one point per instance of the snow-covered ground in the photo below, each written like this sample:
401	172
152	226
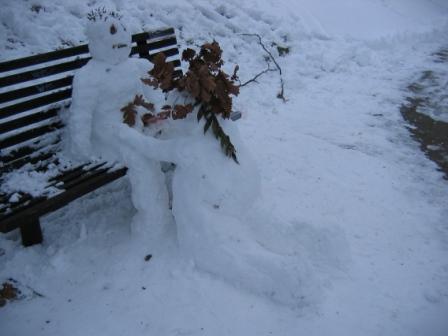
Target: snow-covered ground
343	185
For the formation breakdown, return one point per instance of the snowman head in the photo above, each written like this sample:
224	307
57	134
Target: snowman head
109	40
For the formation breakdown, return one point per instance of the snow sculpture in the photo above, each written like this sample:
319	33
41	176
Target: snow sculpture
100	89
211	194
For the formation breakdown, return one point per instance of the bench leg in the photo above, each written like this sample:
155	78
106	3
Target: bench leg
31	233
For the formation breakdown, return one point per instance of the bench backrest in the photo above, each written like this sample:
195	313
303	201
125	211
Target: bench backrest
33	90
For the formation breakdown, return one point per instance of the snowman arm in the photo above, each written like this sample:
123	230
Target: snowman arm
152	148
81	115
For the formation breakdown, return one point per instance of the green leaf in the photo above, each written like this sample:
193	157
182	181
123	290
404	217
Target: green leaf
200	113
207	124
235	158
224	142
216	128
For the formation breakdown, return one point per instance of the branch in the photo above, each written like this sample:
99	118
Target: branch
212	121
280	95
254	79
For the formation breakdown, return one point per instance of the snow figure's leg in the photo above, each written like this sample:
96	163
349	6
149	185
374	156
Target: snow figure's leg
218	245
149	196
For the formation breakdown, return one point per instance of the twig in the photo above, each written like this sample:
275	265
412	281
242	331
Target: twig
34	292
254	79
280	95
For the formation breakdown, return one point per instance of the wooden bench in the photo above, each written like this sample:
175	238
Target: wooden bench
33	91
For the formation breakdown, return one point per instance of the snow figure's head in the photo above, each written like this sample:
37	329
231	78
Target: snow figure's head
109	40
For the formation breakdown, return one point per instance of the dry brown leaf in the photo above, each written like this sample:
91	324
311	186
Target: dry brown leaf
188	54
151	82
129	114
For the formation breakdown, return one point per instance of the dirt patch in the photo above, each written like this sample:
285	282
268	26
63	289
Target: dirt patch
432	134
8	293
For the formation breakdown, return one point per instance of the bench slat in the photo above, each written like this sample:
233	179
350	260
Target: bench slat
84	177
68	174
27	150
24	200
172	41
36	102
17	154
153	34
144	50
21	161
34	160
43	72
30	134
168	53
73	174
42	58
35	89
28	120
27	200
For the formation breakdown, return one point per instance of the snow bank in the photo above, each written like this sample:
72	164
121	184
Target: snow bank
42	25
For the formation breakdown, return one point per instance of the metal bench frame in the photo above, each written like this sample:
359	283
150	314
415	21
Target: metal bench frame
33	90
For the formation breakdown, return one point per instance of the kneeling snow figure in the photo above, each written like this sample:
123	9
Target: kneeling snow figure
211	193
100	89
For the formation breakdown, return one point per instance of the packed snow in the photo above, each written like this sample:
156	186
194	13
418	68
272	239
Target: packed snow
349	218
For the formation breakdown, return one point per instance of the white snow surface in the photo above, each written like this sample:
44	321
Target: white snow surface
344	189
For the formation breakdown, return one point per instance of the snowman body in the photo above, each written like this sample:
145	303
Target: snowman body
100	89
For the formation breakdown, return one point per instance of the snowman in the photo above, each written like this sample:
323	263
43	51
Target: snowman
101	88
211	197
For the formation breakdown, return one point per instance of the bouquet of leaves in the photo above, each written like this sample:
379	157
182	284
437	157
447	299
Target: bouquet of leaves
205	81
